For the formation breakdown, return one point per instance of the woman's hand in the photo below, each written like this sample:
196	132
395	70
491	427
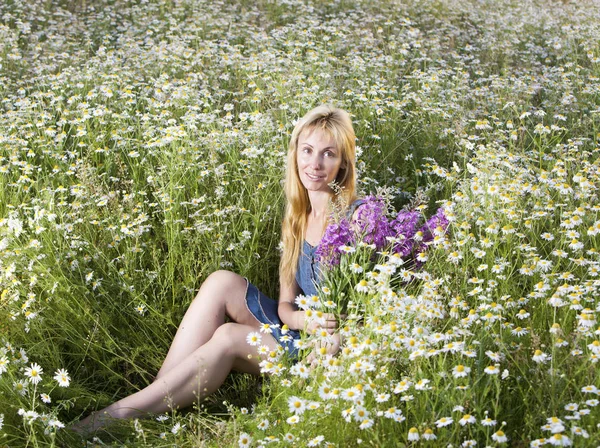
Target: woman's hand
324	326
323	347
315	321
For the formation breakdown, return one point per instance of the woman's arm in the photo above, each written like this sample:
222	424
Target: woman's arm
296	319
354	221
287	309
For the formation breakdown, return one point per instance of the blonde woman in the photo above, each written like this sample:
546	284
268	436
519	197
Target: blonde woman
212	338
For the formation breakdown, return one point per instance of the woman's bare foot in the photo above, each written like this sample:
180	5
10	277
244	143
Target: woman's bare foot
91	423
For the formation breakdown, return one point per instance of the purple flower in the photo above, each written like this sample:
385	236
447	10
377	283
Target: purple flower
337	234
372	222
374	227
405	226
437	220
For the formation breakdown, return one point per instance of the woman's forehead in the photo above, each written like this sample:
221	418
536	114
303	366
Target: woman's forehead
316	133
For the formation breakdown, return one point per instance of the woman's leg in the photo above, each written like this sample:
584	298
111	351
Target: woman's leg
194	378
222	294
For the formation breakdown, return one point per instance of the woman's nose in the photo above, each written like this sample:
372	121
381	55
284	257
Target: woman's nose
315	161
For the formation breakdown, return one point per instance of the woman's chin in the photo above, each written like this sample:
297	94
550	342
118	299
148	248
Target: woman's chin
314	186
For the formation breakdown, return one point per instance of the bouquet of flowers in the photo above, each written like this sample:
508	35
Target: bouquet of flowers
349	247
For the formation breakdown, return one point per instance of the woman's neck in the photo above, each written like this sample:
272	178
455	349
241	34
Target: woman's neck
319	202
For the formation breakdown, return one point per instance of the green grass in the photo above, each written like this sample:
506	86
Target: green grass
127	135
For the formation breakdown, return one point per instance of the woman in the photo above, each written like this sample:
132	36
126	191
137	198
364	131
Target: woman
207	345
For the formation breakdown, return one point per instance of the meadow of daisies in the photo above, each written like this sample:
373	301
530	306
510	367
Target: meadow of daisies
142	147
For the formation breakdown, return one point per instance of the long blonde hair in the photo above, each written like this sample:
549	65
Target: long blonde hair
338	125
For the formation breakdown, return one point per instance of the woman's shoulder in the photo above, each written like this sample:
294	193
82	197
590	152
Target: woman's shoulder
353	208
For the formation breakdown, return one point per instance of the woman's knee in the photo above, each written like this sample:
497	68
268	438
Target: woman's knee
231	337
223	279
222	285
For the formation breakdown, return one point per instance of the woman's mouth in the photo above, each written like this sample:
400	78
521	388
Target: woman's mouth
314	177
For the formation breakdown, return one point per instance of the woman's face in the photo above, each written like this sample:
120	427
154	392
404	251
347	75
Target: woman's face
318	159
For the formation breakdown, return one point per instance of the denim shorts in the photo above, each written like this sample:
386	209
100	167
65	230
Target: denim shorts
264	309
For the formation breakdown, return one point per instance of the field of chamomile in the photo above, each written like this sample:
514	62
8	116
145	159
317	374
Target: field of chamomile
143	146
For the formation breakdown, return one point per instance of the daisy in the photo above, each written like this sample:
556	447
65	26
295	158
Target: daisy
413	434
356	268
362	286
366	423
21	387
540	357
405	275
519	331
423	384
429	435
45	398
3	364
559	440
293	420
253	338
422	257
316	441
492	370
245	440
469	353
263	425
296	405
140	309
28	416
499	436
466	419
325	391
361	413
263	350
347	414
177	427
55	424
576	430
444	421
34	373
555	425
392	412
313	405
590	389
382	398
302	302
399	418
264	328
402	386
460	371
352	394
